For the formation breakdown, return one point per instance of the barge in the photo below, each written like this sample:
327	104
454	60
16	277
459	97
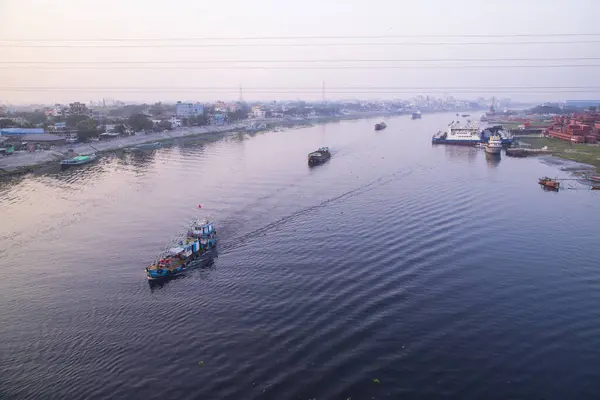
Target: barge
319	157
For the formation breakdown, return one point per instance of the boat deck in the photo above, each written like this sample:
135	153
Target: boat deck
173	265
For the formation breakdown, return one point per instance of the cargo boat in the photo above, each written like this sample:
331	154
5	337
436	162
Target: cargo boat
78	160
319	156
416	115
380	126
182	252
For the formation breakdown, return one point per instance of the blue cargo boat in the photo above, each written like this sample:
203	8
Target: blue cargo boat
182	252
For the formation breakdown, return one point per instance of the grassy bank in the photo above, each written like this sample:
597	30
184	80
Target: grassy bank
583	153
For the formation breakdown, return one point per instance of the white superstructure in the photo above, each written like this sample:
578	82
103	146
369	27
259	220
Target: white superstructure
494	145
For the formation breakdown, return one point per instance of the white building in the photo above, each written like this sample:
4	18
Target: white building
175	122
188	109
258	112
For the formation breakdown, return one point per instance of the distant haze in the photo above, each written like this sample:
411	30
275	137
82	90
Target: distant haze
180	73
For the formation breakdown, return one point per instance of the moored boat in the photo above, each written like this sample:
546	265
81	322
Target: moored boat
494	145
549	183
319	156
78	160
380	126
594	178
416	115
181	253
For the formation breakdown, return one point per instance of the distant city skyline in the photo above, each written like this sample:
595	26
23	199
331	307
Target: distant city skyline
84	50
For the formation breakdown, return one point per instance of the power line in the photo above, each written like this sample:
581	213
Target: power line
334	37
120	62
316	90
120	45
303	67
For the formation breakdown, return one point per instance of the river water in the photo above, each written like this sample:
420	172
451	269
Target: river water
395	270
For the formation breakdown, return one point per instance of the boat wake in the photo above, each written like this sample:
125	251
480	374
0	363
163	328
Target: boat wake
381	181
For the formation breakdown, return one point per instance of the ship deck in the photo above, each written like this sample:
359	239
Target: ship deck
175	263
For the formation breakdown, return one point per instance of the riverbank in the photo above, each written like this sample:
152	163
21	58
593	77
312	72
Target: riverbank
30	162
581	153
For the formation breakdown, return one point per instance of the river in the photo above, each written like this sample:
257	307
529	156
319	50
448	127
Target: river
397	269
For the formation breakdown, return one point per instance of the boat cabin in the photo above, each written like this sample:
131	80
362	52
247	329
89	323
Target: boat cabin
202	229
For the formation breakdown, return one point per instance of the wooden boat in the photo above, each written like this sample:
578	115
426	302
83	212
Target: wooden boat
595	187
181	253
319	156
78	160
594	178
380	126
549	183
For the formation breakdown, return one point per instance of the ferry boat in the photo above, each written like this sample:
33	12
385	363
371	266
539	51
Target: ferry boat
319	156
457	133
78	160
416	115
470	134
181	253
380	126
494	145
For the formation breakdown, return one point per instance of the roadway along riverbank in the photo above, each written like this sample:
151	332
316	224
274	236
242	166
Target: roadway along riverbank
30	161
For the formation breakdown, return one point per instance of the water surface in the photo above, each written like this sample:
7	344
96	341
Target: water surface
436	270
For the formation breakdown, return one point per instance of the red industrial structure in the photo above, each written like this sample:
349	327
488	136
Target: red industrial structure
583	128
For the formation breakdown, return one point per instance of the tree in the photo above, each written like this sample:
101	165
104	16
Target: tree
120	128
139	122
73	120
6	123
87	129
165	125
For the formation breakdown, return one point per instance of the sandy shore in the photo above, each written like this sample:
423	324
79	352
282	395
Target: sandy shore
28	162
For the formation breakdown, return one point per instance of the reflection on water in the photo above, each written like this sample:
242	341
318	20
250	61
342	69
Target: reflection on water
493	160
461	152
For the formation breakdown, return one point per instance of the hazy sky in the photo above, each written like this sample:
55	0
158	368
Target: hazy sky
170	68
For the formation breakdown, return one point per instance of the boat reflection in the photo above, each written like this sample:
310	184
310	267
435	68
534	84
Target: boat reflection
455	151
492	159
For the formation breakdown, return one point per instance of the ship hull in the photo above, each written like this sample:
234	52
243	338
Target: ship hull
493	150
505	142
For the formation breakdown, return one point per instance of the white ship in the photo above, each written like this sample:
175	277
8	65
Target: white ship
494	145
457	133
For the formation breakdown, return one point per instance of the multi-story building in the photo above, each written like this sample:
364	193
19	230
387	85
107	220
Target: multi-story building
78	108
188	109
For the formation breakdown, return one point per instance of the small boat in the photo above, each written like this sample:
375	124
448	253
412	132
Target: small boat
494	145
380	126
416	115
181	253
78	160
465	115
549	183
143	146
595	187
319	156
594	178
